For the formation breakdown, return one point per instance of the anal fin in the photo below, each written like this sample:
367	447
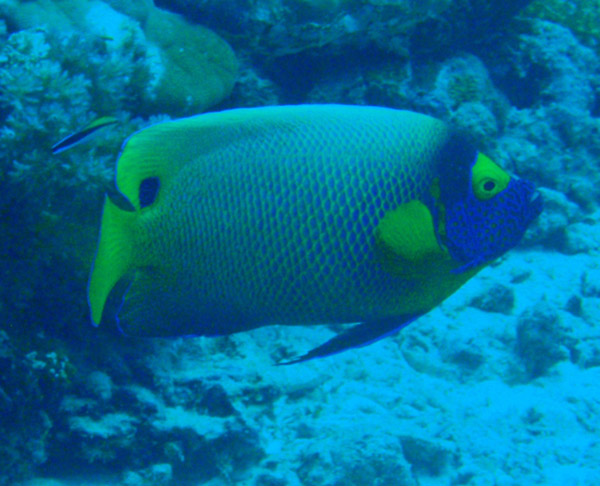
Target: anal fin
358	336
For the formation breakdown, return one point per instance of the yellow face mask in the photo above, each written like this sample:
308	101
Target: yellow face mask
488	179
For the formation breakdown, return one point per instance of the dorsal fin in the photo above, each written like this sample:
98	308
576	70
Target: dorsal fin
161	150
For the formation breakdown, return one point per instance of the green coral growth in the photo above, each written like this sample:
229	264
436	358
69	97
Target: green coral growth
54	84
581	16
51	85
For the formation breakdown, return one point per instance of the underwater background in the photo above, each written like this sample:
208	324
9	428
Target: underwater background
500	385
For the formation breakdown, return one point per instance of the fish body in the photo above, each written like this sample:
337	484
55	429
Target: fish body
300	215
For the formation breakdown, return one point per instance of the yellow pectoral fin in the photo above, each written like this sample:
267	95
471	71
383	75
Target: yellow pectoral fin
114	256
406	241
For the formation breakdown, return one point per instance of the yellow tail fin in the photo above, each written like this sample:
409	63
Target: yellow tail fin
114	256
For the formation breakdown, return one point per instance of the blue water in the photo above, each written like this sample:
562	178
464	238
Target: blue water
498	385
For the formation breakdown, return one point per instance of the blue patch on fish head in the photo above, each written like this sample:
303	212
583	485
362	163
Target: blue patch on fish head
480	231
485	211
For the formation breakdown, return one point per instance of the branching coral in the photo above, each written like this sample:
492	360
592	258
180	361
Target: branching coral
30	386
192	67
52	84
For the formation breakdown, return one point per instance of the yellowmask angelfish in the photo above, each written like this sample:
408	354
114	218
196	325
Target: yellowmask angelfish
303	214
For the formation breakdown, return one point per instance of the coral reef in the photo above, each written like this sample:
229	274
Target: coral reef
51	83
30	387
499	384
470	25
191	67
199	68
552	82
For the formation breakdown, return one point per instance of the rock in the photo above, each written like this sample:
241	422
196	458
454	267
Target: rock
198	67
159	475
477	120
270	480
155	475
498	298
547	65
527	140
107	439
131	478
474	25
550	135
6	402
426	456
519	274
540	339
581	238
550	227
574	305
584	189
216	402
464	89
207	446
5	346
252	89
361	463
468	355
589	353
109	426
100	385
590	283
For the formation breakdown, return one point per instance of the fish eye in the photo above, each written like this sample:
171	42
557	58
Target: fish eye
489	186
486	188
488	179
148	191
